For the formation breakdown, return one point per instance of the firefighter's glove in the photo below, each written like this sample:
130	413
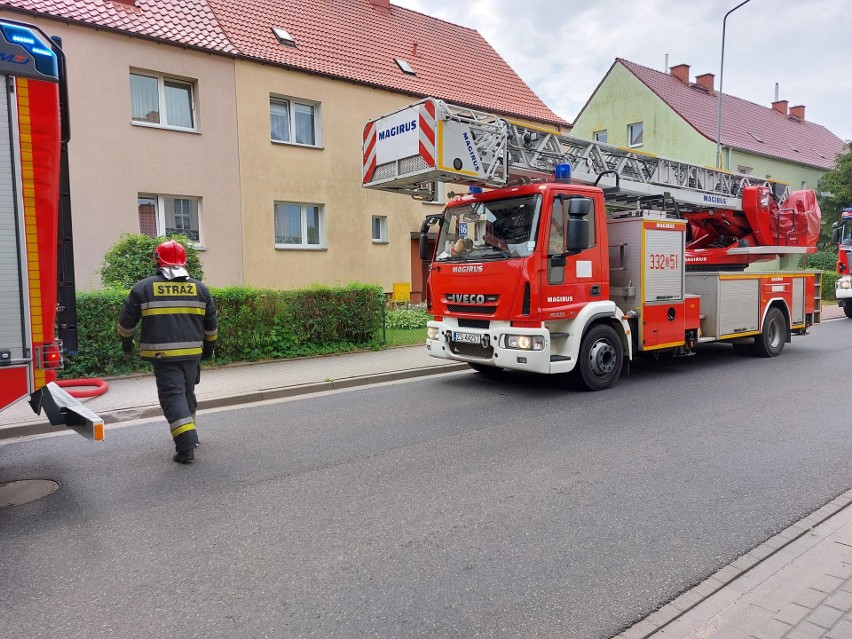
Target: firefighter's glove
207	350
127	345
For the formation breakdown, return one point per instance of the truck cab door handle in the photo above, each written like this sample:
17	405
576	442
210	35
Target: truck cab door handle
596	290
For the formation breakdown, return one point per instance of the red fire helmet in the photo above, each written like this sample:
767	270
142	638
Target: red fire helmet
170	253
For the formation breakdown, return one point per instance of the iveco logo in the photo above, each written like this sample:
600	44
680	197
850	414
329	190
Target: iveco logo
468	269
465	299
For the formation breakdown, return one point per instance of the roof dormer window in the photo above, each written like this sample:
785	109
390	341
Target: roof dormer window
284	36
404	66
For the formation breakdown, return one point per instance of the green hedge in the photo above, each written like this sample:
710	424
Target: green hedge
254	324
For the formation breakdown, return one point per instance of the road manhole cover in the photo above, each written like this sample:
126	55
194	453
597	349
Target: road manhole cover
15	493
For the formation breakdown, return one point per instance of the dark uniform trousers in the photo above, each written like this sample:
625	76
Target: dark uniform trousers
176	390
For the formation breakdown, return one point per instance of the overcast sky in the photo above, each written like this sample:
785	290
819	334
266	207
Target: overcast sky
563	48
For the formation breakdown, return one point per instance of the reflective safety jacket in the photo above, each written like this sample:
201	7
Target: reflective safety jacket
178	317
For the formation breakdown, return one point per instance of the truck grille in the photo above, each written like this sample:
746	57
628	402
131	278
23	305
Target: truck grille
471	310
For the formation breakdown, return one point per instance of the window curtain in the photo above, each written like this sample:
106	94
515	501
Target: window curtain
288	224
304	124
144	97
179	104
279	120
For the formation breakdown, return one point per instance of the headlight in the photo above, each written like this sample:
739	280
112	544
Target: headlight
525	342
844	283
431	332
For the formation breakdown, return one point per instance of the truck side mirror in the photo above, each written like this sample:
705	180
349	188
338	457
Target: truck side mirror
424	236
835	233
578	224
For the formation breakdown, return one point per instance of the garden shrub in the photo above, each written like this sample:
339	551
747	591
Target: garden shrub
254	325
131	259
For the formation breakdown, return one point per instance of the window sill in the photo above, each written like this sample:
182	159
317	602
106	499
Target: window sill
302	146
152	125
381	241
299	247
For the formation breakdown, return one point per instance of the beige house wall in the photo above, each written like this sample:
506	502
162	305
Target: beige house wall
112	160
329	176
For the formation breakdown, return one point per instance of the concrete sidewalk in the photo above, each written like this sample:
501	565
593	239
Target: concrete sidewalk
136	397
796	585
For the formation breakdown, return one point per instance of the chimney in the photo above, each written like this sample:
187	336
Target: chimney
780	106
381	4
705	81
681	72
798	112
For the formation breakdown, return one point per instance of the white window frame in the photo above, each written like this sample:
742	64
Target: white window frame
291	104
304	244
596	135
630	136
383	229
745	170
161	100
160	199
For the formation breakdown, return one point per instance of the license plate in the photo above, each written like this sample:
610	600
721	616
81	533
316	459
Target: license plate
467	338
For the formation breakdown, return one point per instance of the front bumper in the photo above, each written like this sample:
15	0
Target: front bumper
489	346
843	289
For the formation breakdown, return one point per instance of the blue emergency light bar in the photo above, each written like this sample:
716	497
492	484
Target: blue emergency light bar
563	172
27	52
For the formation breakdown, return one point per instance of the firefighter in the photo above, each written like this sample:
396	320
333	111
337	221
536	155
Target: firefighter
178	331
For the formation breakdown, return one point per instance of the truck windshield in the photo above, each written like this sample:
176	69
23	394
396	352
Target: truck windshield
498	229
846	237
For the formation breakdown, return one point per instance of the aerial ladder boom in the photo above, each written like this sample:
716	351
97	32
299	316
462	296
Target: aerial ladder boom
431	141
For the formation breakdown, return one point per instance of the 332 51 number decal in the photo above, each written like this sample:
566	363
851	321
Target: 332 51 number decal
663	261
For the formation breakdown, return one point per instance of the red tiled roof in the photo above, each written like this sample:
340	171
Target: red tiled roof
185	22
347	39
355	40
796	141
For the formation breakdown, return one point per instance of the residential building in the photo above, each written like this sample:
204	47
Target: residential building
667	115
240	123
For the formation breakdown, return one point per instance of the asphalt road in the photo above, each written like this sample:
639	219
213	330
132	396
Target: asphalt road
452	506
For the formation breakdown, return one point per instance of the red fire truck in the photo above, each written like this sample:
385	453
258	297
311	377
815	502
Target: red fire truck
841	234
37	315
584	255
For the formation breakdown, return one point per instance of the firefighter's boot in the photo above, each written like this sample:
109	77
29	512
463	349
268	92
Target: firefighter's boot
185	456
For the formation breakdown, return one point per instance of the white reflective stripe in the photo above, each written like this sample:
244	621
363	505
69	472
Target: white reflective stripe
170	346
181	422
126	332
172	304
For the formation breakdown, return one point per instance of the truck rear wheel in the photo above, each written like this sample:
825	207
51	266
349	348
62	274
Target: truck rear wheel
771	340
601	357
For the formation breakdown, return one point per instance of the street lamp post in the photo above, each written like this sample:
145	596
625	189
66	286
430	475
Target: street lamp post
721	78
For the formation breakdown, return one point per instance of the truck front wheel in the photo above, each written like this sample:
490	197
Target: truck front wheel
847	308
601	357
771	340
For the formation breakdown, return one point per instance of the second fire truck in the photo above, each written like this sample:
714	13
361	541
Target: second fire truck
841	234
584	255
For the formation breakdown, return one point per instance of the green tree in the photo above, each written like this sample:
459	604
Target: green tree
835	193
132	259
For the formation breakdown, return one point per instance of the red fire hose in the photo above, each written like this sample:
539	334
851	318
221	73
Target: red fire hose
99	387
